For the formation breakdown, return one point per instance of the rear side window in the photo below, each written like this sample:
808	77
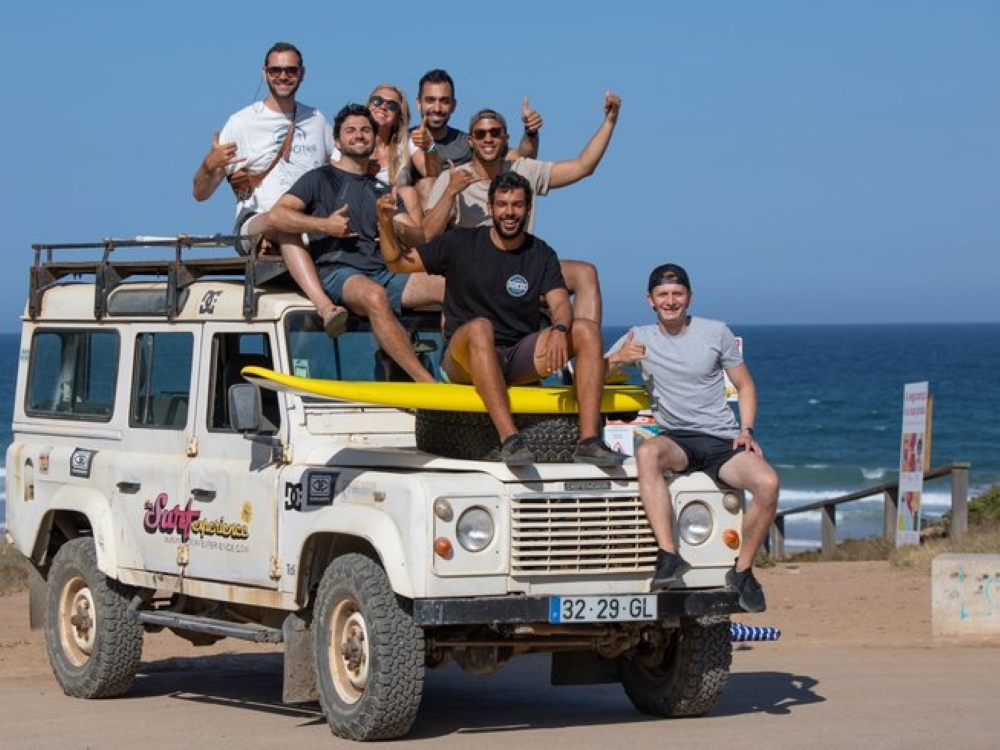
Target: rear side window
161	385
72	375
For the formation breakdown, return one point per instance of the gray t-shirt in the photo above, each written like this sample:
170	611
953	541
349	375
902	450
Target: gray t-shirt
684	375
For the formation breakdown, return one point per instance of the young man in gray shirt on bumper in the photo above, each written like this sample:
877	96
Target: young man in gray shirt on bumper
682	360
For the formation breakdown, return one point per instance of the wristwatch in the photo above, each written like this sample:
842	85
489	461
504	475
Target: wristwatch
748	431
560	327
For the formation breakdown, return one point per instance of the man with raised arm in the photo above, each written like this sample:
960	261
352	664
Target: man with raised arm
436	103
459	195
495	276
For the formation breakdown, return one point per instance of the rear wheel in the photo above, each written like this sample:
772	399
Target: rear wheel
369	653
684	673
94	646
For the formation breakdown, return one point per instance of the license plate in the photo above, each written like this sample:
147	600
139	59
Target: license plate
602	608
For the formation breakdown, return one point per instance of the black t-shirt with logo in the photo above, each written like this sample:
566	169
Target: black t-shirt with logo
484	281
324	190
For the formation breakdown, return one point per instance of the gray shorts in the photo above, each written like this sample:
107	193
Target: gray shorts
333	279
517	363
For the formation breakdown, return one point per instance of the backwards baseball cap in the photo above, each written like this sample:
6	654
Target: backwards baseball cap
487	114
668	273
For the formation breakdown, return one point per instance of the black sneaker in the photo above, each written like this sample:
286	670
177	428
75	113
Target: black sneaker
595	451
669	568
751	594
514	452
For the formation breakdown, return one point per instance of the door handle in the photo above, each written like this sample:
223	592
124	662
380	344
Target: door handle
202	495
129	488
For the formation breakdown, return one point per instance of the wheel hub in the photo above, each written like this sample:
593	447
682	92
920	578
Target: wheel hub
350	658
78	616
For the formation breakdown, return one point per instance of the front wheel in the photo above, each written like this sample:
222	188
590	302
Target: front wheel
681	674
369	653
94	646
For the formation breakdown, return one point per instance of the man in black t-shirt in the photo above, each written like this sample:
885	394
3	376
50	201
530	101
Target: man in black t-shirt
334	205
495	276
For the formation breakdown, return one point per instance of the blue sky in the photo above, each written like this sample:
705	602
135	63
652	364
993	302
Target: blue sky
808	162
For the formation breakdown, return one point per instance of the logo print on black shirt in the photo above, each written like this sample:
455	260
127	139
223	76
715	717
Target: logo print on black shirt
517	286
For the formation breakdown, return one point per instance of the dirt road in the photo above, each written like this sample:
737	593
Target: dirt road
855	667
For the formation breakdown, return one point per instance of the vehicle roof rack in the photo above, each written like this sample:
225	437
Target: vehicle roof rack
180	271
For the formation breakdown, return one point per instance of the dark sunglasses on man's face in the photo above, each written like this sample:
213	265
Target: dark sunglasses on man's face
480	133
378	101
292	71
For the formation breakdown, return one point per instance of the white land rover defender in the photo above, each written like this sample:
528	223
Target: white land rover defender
151	487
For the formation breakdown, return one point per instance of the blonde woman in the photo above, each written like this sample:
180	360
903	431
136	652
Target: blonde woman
393	152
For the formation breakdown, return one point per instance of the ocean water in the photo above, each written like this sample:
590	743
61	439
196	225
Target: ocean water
830	410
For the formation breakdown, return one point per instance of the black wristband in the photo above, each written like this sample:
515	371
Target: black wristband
560	327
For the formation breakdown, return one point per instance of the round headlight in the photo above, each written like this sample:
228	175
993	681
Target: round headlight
475	529
695	523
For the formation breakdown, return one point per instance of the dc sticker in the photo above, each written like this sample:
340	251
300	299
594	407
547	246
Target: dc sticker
80	463
517	286
321	487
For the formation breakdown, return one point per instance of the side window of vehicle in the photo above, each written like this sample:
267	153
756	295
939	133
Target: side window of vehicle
231	352
72	374
161	382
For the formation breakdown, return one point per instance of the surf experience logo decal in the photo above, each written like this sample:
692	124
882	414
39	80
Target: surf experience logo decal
517	285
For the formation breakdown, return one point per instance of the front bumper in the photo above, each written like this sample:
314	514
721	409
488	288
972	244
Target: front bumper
490	610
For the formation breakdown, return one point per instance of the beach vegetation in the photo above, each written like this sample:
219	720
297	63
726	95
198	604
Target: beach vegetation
984	511
983	537
13	574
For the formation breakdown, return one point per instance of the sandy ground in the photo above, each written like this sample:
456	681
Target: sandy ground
856	651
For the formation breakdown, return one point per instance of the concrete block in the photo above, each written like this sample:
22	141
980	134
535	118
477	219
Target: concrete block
965	595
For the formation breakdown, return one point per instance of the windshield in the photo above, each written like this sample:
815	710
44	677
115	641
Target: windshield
354	355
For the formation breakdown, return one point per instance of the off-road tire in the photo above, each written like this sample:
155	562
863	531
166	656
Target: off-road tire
471	435
684	678
369	653
94	646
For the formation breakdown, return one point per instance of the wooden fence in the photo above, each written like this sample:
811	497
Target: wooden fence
957	470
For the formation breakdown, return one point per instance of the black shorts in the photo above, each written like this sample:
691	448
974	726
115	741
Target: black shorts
705	453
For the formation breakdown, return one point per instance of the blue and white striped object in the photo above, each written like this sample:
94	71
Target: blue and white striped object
740	632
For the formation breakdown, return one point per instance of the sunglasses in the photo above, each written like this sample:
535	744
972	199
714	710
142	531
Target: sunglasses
480	133
378	101
292	71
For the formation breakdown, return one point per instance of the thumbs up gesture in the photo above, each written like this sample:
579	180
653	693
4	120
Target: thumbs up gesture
421	136
339	224
532	120
631	351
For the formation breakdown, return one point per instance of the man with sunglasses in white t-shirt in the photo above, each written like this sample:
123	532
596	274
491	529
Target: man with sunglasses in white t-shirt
257	141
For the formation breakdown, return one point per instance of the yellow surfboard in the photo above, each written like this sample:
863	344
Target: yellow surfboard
446	396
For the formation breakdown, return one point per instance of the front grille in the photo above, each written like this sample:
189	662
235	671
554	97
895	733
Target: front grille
565	535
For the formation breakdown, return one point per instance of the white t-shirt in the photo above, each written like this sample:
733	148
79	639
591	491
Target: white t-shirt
259	131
